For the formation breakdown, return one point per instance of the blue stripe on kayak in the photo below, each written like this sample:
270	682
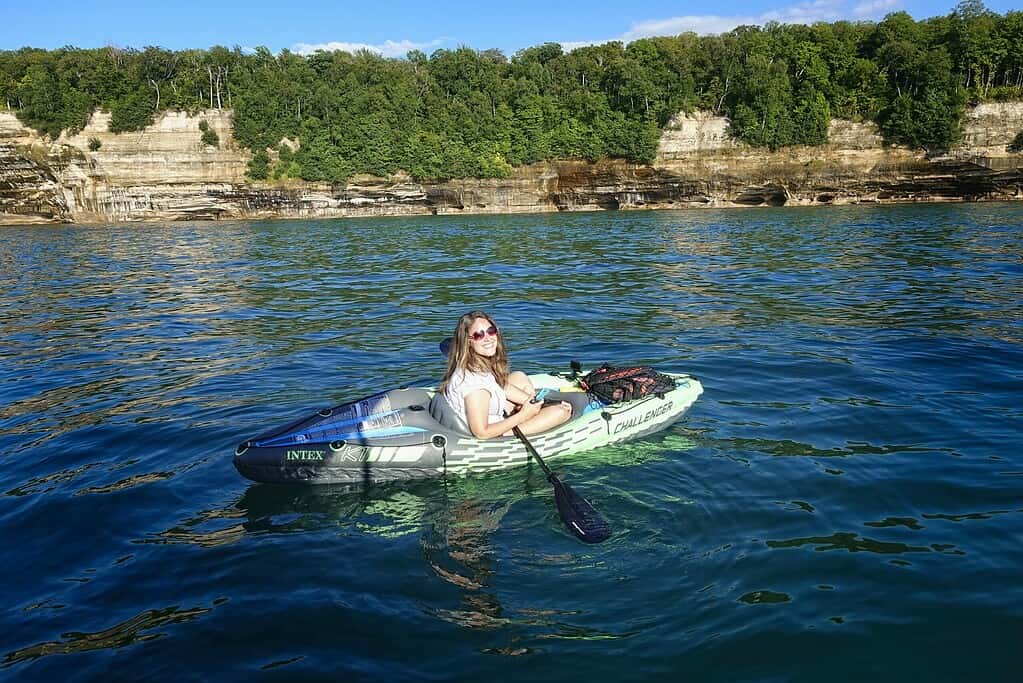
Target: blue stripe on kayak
327	424
324	435
381	433
323	431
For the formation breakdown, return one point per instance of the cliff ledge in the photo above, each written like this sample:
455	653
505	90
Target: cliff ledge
166	172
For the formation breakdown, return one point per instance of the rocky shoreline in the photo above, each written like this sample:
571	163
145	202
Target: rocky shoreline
166	173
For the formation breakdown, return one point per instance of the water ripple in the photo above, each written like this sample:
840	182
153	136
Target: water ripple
137	629
852	459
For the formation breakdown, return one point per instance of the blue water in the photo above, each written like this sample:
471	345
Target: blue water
844	503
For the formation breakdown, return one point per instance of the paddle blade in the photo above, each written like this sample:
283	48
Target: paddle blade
445	346
578	515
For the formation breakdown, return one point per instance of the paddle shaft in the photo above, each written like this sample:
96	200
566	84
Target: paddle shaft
532	451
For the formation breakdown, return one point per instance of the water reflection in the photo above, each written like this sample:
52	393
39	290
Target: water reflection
137	629
127	483
206	529
765	597
49	482
453	525
907	522
458	550
850	542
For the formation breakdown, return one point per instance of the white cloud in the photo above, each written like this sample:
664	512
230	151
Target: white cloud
874	8
568	46
703	24
712	24
389	48
808	12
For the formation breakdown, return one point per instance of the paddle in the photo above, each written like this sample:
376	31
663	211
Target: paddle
575	511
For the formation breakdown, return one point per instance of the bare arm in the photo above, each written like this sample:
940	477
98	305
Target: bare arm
477	408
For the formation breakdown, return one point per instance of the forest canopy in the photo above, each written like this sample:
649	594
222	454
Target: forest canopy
477	113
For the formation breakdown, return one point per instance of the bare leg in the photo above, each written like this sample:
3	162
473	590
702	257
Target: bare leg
548	417
520	381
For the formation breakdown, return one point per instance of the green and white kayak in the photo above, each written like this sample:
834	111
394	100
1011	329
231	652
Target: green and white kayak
412	433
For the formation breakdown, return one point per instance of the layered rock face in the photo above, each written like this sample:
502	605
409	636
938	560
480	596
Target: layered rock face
853	167
166	172
29	192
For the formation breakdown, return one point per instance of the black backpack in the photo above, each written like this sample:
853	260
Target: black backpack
618	385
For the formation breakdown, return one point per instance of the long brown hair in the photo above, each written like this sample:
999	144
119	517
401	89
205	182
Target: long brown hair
462	357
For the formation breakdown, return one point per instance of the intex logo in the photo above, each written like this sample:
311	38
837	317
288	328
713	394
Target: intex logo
354	454
304	455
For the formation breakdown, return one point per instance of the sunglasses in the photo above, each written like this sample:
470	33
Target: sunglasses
480	334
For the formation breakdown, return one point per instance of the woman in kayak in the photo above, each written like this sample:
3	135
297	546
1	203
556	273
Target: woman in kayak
482	391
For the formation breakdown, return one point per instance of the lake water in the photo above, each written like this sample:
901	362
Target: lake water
844	502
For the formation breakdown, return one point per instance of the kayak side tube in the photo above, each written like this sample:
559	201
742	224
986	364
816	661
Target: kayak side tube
339	445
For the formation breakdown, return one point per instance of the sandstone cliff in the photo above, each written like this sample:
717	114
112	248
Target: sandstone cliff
166	172
854	167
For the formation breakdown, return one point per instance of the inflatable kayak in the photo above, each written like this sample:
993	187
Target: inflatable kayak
412	433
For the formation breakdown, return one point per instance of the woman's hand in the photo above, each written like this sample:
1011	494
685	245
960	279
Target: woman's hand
529	410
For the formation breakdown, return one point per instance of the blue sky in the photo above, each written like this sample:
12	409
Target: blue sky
392	27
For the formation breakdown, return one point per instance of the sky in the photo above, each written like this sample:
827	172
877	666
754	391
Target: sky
393	27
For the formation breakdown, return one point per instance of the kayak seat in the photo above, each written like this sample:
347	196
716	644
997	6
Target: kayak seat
579	400
442	412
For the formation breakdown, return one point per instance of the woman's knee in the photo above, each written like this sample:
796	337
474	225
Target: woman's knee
521	380
563	411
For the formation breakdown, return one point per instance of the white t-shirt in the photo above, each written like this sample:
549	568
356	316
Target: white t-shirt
463	383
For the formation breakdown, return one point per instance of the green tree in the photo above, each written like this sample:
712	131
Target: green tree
424	156
1010	32
765	94
1017	143
41	101
810	119
465	112
928	112
134	111
976	45
259	166
321	157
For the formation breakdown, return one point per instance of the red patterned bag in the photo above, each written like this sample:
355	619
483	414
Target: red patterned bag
618	385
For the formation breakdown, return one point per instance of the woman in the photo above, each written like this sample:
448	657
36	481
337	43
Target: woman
483	393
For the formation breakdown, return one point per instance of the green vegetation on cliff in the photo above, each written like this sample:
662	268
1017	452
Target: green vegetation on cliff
468	113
